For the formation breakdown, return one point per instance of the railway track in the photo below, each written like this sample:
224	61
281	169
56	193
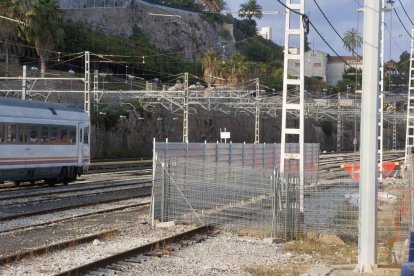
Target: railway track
41	221
67	202
97	171
61	191
58	234
117	263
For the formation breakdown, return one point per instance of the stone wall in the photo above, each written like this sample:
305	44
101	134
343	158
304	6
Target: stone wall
182	32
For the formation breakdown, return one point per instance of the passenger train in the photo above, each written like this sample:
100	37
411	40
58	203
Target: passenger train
42	141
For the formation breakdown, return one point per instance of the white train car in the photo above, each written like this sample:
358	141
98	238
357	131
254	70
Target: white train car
42	141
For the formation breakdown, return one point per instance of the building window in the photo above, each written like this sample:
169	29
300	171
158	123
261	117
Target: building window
317	65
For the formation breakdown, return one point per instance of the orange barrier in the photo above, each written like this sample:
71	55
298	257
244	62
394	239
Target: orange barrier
353	169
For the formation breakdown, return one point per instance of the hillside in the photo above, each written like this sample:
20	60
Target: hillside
187	33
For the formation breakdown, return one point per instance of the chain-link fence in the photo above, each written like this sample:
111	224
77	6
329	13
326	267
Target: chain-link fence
202	188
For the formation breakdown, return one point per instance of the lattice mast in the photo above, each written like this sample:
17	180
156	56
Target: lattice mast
185	109
293	88
409	142
87	80
257	114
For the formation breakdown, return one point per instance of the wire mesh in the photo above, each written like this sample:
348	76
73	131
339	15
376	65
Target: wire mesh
239	187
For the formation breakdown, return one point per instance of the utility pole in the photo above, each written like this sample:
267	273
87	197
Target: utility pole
294	87
24	83
257	114
185	109
367	235
87	91
339	126
409	136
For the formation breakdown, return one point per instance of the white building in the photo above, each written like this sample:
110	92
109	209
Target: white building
336	67
315	64
266	33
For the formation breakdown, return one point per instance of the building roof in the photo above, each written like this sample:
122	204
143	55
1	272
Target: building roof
341	59
38	105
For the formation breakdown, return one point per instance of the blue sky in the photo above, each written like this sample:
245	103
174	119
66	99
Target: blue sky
344	16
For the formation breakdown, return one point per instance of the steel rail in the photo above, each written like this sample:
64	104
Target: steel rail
83	269
147	192
56	246
73	189
144	204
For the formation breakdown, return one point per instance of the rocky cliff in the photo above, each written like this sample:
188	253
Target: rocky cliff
168	29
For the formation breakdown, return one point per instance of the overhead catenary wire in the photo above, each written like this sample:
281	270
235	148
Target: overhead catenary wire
402	24
330	24
405	11
316	30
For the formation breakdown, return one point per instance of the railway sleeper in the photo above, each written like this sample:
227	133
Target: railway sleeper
117	267
158	254
173	247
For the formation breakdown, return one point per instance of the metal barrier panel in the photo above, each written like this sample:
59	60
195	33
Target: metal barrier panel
236	186
247	155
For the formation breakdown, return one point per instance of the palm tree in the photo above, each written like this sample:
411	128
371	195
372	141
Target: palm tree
9	29
210	63
214	5
43	28
250	9
352	40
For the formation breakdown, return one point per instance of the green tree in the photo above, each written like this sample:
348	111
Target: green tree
214	5
250	9
352	40
210	63
43	28
9	29
404	63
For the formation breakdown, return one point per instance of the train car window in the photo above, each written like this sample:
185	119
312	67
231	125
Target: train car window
34	134
80	135
63	134
86	135
23	133
44	135
11	134
53	135
2	133
72	135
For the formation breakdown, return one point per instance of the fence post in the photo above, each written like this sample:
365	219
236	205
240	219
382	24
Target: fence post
243	153
274	222
230	152
154	169
254	155
163	191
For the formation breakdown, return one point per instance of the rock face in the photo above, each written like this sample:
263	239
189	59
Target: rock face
168	29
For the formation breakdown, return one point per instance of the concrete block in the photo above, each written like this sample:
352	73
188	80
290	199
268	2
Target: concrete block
318	271
166	224
273	240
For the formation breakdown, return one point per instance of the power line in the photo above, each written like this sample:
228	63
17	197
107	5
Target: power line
406	12
330	24
394	40
316	30
402	24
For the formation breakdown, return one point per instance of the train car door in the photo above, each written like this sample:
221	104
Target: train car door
80	144
83	145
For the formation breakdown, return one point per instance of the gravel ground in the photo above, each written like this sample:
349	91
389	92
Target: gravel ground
65	193
225	254
48	218
70	201
29	238
57	261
